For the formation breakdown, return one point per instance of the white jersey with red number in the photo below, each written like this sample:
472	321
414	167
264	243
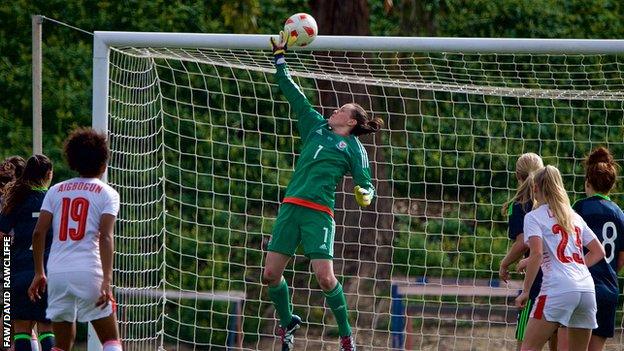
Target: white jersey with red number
77	206
563	262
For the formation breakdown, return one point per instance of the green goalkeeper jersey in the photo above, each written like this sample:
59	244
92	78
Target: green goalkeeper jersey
325	156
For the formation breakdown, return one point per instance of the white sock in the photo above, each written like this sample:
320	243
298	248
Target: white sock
112	345
34	344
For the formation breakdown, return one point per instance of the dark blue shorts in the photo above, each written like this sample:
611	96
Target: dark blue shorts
606	301
21	306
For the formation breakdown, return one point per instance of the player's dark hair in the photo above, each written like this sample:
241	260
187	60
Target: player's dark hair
35	175
601	170
365	124
87	152
10	169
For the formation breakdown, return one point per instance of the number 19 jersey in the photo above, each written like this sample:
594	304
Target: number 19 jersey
563	263
76	206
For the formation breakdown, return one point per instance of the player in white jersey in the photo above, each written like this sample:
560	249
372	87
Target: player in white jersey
556	236
82	213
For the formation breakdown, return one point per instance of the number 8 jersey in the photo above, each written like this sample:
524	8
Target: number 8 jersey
563	262
76	206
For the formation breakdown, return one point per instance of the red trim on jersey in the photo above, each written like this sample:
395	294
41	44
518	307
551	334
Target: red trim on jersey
308	204
539	308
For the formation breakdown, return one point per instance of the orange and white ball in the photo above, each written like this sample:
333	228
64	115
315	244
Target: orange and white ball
303	27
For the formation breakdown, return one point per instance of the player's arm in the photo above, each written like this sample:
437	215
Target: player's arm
515	232
595	253
533	238
107	248
303	111
517	250
533	262
38	240
590	241
360	170
37	287
107	244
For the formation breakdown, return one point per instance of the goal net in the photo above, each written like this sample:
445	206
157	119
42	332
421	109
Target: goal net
203	146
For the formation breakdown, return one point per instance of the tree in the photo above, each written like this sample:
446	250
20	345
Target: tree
367	252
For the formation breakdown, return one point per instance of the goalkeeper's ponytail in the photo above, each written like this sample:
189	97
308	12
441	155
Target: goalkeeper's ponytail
366	124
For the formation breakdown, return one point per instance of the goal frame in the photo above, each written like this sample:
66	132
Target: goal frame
104	40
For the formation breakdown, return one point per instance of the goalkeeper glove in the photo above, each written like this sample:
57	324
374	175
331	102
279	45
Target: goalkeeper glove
279	48
363	196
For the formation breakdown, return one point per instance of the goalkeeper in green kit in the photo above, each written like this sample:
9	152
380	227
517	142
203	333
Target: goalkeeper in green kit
330	149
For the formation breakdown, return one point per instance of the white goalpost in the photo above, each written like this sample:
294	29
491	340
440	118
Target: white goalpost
203	147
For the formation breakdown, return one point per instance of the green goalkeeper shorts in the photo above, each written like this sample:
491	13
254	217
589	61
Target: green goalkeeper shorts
297	224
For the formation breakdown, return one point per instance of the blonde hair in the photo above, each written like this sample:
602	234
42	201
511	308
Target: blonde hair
527	163
549	181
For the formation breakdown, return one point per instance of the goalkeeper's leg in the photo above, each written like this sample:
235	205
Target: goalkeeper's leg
282	246
324	271
274	266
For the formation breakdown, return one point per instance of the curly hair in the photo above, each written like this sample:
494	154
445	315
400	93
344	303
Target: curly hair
10	169
35	174
87	152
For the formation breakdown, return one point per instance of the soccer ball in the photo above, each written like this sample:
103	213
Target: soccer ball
303	27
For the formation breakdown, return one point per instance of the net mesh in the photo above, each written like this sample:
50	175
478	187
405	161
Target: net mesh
203	148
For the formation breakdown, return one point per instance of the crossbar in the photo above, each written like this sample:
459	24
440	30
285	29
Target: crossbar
366	43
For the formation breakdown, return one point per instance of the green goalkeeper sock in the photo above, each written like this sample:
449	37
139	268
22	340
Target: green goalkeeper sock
281	299
338	304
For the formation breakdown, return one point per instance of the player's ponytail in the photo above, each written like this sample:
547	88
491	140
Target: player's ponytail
550	182
36	174
525	165
601	170
365	124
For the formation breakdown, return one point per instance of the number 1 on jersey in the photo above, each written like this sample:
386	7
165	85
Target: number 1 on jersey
320	147
77	209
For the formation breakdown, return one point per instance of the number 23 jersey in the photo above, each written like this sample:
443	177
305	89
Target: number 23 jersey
76	206
563	263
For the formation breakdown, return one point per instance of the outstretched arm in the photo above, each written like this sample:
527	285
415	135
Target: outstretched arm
307	116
